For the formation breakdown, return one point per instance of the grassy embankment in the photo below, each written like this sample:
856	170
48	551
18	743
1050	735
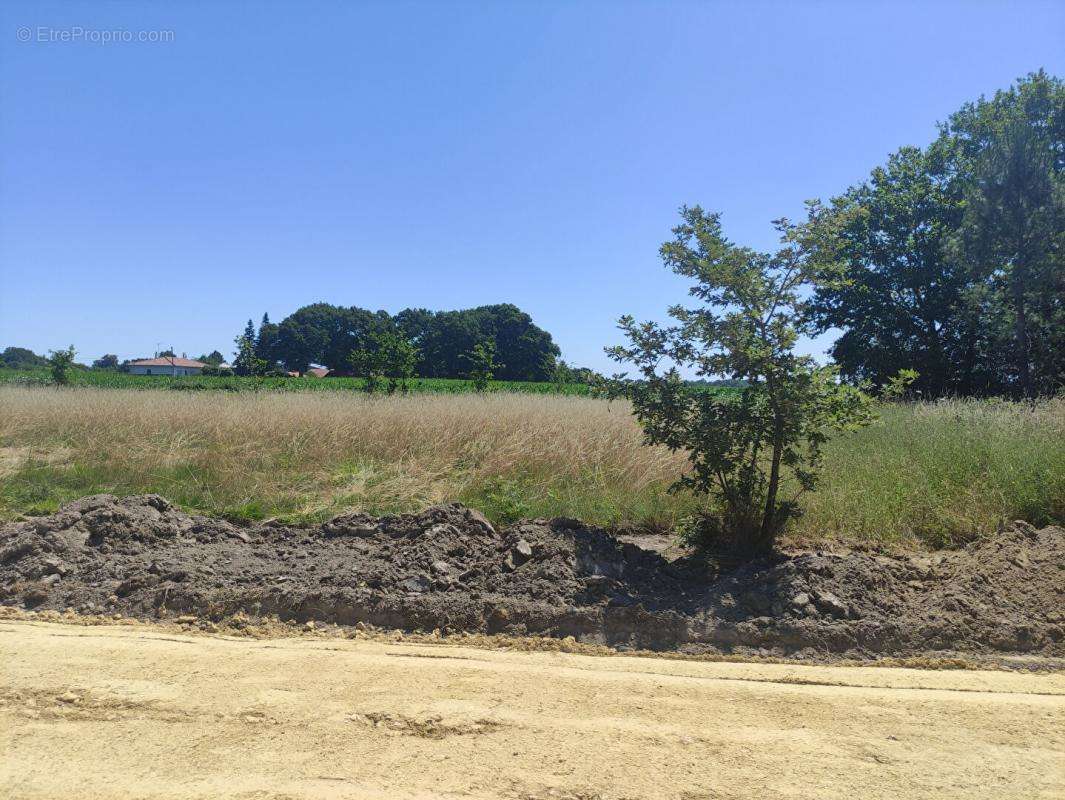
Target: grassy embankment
931	473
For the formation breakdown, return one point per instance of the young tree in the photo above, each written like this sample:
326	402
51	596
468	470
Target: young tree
387	355
898	386
482	364
60	361
738	443
563	373
266	341
246	362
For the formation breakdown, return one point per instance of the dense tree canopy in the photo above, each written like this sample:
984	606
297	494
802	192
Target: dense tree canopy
948	260
896	297
1008	156
326	334
321	334
214	357
523	351
21	358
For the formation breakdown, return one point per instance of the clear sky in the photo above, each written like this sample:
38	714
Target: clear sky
442	155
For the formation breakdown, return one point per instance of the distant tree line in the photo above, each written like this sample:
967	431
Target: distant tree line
21	358
489	342
435	344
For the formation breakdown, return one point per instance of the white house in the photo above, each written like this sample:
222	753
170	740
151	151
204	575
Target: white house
166	365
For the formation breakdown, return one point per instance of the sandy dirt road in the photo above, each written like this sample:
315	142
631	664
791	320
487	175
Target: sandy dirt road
144	712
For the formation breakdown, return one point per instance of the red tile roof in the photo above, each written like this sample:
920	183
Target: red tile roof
318	372
167	362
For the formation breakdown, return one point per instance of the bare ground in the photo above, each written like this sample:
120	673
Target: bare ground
141	711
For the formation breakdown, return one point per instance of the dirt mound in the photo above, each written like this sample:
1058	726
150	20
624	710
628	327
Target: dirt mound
448	568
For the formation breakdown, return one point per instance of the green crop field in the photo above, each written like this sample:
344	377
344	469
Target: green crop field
105	379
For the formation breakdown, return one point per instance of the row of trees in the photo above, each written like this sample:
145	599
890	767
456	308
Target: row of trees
952	254
428	344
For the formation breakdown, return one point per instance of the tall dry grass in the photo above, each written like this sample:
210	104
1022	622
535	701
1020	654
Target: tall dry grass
313	455
938	473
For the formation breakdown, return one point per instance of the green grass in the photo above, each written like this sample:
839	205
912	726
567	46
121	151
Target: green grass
941	473
104	379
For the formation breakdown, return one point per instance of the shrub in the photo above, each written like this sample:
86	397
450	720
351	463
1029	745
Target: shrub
59	362
387	356
482	361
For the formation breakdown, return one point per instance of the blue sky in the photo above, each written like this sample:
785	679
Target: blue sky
443	155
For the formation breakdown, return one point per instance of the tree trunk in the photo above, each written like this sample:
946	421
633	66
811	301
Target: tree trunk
937	381
970	359
1020	330
768	531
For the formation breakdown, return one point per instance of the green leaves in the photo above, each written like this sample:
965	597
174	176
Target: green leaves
737	444
386	355
246	362
482	364
325	334
59	362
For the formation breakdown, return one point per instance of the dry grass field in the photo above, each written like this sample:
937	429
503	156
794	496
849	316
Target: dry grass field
930	473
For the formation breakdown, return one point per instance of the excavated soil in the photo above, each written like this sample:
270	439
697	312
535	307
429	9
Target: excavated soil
447	568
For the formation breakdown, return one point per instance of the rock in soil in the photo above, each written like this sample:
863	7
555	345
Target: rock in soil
448	568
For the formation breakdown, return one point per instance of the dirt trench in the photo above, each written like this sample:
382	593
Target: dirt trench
449	569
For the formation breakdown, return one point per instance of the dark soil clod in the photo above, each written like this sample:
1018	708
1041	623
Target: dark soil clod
448	568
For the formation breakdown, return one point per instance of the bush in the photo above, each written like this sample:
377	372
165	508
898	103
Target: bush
386	356
482	361
59	362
